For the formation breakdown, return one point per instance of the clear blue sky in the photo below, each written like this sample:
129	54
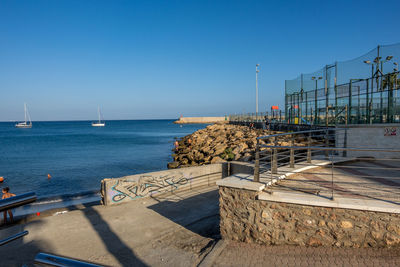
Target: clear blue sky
160	59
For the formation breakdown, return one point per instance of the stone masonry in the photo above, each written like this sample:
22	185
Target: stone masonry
245	218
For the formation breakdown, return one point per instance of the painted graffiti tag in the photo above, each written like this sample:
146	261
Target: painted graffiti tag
146	185
390	131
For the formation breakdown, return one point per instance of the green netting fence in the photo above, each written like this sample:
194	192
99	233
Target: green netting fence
358	91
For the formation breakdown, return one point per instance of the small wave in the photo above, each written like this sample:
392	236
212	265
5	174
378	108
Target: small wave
56	202
66	197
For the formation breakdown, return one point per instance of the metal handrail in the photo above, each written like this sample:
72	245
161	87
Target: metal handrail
332	145
334	148
53	260
309	145
16	201
300	132
307	134
13	237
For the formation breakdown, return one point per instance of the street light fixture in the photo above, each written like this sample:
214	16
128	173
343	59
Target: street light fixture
379	70
316	81
377	61
388	58
314	78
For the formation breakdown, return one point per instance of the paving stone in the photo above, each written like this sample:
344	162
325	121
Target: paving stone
244	254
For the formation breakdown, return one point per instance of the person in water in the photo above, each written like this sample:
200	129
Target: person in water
176	145
7	194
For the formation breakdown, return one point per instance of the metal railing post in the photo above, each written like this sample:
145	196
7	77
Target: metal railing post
292	153
257	163
309	149
274	163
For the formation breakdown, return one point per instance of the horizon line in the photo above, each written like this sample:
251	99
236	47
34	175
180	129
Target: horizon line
91	120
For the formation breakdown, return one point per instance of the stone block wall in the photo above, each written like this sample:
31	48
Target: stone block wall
247	219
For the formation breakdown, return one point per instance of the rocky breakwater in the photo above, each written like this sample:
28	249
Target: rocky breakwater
218	143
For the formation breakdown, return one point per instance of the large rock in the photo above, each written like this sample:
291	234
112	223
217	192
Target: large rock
219	149
239	134
173	165
392	239
217	160
198	156
211	143
239	148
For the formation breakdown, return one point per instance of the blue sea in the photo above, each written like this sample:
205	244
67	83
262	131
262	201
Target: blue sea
78	156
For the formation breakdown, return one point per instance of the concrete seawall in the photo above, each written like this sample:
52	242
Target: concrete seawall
128	188
119	190
188	120
386	136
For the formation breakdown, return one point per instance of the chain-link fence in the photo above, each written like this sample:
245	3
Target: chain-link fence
362	90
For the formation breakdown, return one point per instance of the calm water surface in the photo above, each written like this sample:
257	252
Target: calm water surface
79	156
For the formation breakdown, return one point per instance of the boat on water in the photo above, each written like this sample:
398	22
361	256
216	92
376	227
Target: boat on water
27	123
99	123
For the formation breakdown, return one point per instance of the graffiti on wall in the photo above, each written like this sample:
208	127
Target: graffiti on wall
146	185
390	131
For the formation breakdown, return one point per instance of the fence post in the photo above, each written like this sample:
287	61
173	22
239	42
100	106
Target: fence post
344	154
292	153
309	149
257	163
332	178
326	142
274	163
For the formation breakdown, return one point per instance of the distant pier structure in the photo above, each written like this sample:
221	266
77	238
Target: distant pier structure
189	120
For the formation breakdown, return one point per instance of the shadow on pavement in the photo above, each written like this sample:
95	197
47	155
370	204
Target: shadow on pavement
18	252
114	245
199	213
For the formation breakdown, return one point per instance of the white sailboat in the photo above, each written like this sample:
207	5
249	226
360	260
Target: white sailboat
99	123
25	124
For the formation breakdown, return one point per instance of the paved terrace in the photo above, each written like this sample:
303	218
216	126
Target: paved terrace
368	180
175	229
182	228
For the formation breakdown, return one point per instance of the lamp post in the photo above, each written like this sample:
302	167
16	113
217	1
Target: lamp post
368	101
257	71
389	112
379	64
316	96
379	68
395	69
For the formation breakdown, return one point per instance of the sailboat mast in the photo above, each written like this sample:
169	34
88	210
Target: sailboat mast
25	111
98	111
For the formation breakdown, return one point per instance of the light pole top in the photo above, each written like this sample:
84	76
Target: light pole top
313	78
